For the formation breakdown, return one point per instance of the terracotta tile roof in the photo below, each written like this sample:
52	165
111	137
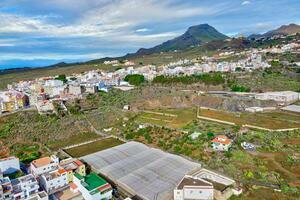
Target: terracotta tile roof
42	162
61	171
78	162
104	187
73	186
222	139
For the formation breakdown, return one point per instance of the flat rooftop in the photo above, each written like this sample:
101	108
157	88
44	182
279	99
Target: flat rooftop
140	170
292	108
190	181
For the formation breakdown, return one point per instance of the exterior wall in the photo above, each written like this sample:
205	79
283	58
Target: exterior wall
286	98
44	169
28	188
9	165
70	175
75	90
198	193
53	185
87	195
178	195
81	170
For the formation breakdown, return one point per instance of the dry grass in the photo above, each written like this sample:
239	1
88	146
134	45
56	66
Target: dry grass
274	120
93	147
173	118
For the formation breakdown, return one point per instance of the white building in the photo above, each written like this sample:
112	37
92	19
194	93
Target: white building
93	187
75	89
285	97
54	181
194	188
25	187
9	165
254	109
221	143
44	165
53	83
6	189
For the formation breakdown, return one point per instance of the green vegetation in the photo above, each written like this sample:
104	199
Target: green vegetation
93	147
209	79
271	120
76	139
173	118
236	88
62	78
22	131
276	160
135	79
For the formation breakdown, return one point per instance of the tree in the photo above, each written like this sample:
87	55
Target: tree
62	78
135	79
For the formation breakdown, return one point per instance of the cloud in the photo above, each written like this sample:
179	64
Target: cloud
142	30
246	3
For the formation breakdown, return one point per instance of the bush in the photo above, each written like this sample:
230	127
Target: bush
135	79
208	78
236	88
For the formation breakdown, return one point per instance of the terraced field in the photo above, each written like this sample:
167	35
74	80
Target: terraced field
173	118
270	120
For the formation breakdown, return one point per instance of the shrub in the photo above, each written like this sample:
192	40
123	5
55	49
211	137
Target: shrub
135	79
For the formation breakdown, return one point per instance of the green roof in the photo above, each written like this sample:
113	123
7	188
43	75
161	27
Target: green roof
93	181
78	176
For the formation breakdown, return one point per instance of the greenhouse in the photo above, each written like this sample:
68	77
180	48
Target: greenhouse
140	170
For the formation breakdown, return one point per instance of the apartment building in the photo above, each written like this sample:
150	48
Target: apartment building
73	165
12	100
6	189
92	187
44	165
54	181
25	187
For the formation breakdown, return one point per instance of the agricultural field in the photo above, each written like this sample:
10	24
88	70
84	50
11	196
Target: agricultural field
271	120
93	147
76	139
275	161
172	118
26	134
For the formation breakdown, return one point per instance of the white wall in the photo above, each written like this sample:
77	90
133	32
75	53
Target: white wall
199	193
9	165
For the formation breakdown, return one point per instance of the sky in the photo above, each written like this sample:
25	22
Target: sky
42	32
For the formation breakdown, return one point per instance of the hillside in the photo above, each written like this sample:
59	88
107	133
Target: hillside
283	30
194	36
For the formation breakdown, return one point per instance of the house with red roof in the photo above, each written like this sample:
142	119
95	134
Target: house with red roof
221	143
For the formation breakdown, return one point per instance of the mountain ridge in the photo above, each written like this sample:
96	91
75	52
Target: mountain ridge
282	30
195	35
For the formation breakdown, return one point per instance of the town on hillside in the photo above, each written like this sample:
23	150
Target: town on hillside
87	114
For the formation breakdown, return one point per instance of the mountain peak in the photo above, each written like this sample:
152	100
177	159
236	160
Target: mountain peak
195	35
